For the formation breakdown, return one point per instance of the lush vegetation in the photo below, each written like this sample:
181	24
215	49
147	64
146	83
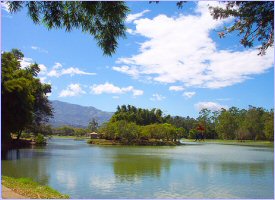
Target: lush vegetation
133	125
24	103
30	189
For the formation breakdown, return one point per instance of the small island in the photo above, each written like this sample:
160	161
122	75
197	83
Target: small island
136	126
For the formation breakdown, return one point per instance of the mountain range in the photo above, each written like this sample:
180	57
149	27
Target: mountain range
76	115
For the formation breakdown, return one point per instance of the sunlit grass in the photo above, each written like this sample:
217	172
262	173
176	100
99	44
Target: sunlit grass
28	188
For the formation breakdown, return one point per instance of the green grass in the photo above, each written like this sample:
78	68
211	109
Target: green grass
28	188
235	142
69	137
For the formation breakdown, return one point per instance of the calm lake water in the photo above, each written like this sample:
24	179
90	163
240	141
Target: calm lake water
189	171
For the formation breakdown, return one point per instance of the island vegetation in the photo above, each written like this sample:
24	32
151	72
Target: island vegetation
131	125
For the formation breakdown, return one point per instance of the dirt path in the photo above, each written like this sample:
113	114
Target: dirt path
9	194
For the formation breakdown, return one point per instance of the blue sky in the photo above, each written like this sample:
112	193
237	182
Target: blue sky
172	59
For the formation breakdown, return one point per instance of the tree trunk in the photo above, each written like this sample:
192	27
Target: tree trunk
19	135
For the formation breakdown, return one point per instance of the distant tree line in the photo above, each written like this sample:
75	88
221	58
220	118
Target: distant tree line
131	124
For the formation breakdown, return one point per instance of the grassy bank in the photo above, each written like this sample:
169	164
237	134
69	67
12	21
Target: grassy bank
235	142
70	137
150	142
30	189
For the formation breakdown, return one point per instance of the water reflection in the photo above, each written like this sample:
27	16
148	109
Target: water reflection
21	164
189	171
132	167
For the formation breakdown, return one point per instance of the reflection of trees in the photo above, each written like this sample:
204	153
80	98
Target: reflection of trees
235	168
23	163
130	167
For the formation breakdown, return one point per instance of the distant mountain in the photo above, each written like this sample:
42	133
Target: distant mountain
76	115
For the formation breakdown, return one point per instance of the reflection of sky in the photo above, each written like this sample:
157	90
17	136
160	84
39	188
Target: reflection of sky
66	178
190	171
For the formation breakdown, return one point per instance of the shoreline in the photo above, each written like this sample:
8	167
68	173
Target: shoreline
25	188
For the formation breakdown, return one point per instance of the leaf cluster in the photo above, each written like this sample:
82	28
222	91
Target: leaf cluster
254	20
103	20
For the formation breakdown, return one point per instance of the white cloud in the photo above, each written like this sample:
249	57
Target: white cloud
137	92
57	65
4	6
132	17
176	88
43	69
39	49
43	79
210	105
109	88
189	94
25	62
72	90
58	71
157	97
130	31
180	50
72	71
125	69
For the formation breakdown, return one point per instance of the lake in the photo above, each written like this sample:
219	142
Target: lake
196	170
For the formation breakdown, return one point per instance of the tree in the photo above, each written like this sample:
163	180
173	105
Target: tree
254	122
93	125
23	96
227	124
254	20
269	125
103	20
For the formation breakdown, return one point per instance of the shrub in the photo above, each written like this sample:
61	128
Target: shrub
39	139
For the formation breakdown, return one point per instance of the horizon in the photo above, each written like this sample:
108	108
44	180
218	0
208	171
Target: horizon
202	71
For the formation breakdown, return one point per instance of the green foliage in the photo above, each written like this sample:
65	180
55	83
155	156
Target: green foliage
269	125
40	140
70	131
93	125
227	124
131	123
207	120
129	131
192	134
103	20
26	135
253	19
23	96
138	115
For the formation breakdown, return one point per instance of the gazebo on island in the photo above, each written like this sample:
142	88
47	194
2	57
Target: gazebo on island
93	135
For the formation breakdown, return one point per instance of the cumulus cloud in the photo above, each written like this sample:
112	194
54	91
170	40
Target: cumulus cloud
157	97
57	65
180	50
210	105
57	71
176	88
72	71
127	70
131	17
109	88
39	49
72	90
189	94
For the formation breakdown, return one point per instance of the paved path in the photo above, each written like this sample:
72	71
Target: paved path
9	194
